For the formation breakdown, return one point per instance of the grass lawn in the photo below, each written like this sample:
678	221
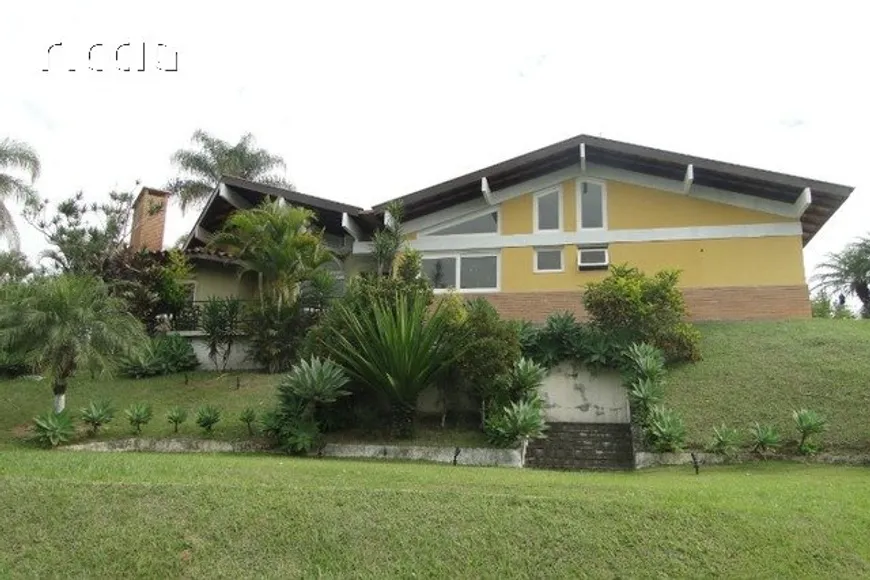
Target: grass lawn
69	515
23	399
761	371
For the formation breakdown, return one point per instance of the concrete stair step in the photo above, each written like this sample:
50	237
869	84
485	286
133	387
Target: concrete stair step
583	446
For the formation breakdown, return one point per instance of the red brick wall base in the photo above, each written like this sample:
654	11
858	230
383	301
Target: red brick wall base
727	303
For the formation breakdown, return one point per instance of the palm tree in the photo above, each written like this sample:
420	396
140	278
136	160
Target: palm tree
202	167
15	155
279	243
847	272
64	324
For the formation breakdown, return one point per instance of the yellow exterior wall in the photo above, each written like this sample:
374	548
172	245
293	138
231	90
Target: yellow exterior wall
714	262
516	215
215	280
772	261
635	207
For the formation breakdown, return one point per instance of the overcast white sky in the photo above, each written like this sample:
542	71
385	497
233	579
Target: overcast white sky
371	100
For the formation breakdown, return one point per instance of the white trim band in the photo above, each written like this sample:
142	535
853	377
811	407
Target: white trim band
493	241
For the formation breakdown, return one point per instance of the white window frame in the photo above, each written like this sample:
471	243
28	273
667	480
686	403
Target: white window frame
459	256
432	230
595	266
539	194
578	185
559	249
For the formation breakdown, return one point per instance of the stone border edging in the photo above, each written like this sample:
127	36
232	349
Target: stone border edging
168	446
480	456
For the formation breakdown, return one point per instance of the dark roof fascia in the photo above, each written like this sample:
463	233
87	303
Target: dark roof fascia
619	147
291	196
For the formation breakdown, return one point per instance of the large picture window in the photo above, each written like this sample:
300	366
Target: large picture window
463	272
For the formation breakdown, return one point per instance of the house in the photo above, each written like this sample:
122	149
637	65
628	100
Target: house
528	233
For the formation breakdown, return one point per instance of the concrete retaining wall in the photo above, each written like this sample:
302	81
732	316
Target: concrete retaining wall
575	395
238	359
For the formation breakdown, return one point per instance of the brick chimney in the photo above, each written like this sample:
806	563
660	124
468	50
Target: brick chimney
149	219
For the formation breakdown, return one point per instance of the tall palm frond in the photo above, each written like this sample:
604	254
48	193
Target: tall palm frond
846	272
211	158
66	323
15	156
278	242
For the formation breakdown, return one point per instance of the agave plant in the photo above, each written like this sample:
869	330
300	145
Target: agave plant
396	350
139	414
248	416
808	423
517	423
526	377
314	382
97	414
207	416
646	361
764	438
726	441
665	429
176	416
643	395
52	429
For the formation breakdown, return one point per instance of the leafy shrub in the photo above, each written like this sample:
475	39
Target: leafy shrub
176	416
162	355
138	414
515	423
396	349
764	438
309	386
52	429
665	429
248	417
301	436
808	423
643	309
221	321
207	416
726	441
487	348
276	332
98	414
12	364
562	338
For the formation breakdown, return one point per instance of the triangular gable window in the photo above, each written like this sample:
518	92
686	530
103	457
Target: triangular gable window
484	224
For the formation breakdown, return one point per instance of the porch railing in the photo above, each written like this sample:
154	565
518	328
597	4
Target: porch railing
189	318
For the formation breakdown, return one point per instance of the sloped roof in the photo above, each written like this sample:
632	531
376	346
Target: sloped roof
826	197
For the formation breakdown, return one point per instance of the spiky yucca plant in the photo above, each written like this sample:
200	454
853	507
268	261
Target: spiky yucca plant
396	349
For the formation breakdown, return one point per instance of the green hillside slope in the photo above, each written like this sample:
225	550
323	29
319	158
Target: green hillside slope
761	371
